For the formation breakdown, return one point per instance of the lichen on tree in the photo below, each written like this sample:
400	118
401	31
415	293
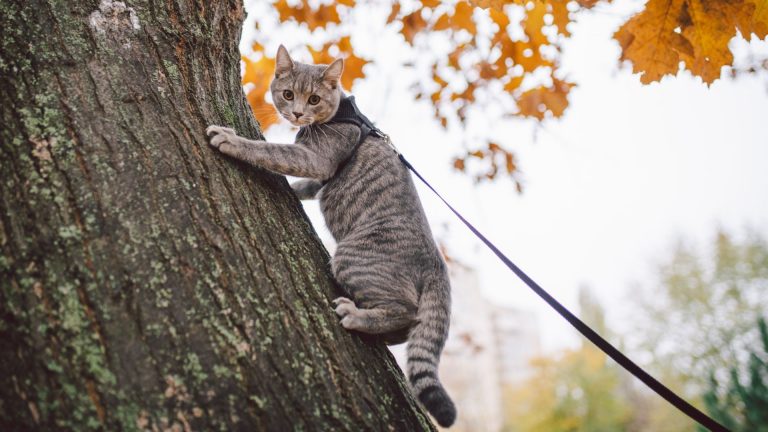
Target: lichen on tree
145	282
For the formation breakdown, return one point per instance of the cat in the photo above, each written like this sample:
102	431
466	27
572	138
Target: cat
386	258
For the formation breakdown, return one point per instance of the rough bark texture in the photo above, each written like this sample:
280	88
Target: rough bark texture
148	282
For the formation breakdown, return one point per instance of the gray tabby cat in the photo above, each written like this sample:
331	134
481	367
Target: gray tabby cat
386	258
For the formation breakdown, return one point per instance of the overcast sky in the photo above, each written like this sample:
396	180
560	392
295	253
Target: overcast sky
609	188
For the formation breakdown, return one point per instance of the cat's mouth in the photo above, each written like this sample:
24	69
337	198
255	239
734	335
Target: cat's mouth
302	121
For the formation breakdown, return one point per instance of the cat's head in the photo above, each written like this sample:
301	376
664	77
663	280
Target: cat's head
305	94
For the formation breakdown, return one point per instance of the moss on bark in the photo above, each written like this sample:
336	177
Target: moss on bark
146	281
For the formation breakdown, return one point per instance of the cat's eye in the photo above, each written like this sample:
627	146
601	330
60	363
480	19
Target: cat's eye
314	100
288	95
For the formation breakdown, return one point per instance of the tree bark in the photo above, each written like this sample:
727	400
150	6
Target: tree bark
149	283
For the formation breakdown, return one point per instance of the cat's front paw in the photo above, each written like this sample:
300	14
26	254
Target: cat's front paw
221	137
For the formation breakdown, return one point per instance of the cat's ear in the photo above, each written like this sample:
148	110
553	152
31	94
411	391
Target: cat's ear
283	62
332	73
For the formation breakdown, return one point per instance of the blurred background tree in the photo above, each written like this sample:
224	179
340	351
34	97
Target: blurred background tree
699	319
575	390
499	58
695	331
743	406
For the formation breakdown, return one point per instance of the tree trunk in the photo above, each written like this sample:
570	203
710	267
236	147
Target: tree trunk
149	283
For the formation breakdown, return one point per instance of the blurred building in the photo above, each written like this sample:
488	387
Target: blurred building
488	346
517	338
469	367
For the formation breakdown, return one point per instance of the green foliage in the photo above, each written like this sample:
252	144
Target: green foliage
743	406
699	319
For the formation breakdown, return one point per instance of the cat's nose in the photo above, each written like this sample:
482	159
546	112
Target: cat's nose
297	115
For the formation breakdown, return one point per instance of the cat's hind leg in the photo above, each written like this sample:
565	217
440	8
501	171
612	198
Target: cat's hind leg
377	320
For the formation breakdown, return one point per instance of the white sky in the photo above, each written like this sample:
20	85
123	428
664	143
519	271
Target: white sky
609	188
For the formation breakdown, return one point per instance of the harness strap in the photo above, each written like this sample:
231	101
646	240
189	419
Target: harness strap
348	112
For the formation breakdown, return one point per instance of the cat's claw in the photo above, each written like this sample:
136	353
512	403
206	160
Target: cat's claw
213	129
344	306
339	300
219	135
347	310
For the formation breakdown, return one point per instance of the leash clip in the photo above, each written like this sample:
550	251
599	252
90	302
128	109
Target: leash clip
391	144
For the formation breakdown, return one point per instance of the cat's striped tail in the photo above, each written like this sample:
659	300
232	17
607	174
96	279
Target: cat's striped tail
425	343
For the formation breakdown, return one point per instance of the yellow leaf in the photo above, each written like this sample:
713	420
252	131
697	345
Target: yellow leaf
353	65
710	26
561	16
322	56
353	69
539	101
534	23
260	74
438	79
500	18
587	3
443	23
303	13
510	163
649	39
345	44
757	24
412	23
462	17
494	4
393	14
453	57
514	83
695	32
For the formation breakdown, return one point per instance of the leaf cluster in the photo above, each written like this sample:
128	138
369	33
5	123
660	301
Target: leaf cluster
504	56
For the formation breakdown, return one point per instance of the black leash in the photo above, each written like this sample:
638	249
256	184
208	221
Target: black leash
583	328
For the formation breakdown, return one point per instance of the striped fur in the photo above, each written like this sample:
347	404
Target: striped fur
386	257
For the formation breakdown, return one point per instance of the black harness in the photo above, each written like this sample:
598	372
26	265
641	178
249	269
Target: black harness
348	112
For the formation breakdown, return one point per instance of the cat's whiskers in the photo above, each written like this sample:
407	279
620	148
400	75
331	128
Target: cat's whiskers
323	131
334	130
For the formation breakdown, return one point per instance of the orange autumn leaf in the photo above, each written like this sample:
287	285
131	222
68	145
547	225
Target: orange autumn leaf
695	32
494	4
413	23
540	101
709	30
394	13
500	18
303	13
500	53
513	83
353	65
533	24
561	16
757	24
459	19
650	41
259	74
